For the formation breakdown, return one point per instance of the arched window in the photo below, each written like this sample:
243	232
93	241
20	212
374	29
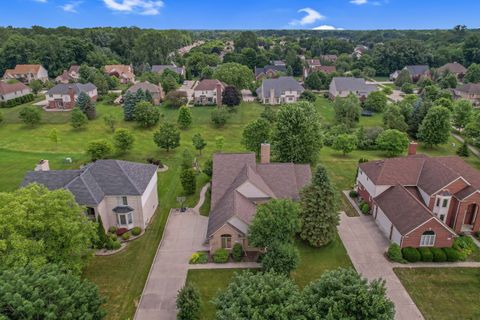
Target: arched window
226	241
427	239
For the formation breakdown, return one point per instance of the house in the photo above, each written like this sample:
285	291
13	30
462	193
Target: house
64	95
155	91
124	73
280	90
343	86
70	75
419	200
359	50
468	91
9	91
310	65
416	72
453	67
122	193
270	71
239	184
208	92
279	63
328	58
160	68
26	73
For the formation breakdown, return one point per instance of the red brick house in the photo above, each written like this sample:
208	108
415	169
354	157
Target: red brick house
64	95
124	73
419	200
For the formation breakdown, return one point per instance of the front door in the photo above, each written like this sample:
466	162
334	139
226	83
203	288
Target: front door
470	215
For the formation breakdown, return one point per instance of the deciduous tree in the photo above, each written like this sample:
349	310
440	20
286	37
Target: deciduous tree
231	96
30	115
376	101
146	114
255	133
347	110
167	136
234	74
345	143
435	128
462	113
188	303
198	142
123	140
392	141
78	119
99	149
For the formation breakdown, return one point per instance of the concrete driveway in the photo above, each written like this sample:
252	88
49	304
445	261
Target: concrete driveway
366	246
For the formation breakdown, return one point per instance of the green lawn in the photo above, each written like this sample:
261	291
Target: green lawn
443	293
313	262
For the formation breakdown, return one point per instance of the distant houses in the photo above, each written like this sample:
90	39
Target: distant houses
280	90
416	72
161	68
468	91
453	67
314	65
70	75
64	95
270	71
155	91
26	73
343	86
10	91
124	73
208	92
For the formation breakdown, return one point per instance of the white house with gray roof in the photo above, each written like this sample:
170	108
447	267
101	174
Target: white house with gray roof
280	90
343	86
122	193
64	95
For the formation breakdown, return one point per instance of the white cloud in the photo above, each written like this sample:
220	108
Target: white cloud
327	27
359	2
311	17
71	7
145	7
41	1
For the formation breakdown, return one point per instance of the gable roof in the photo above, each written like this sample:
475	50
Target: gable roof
353	84
276	68
24	69
469	88
453	67
208	84
278	85
64	88
238	183
327	69
159	68
122	70
6	88
417	70
96	180
313	62
145	86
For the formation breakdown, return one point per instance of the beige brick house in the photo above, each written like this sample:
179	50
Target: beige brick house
122	193
239	184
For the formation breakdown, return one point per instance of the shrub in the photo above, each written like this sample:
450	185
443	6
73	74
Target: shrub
199	258
394	253
411	254
365	208
112	244
219	117
136	231
353	194
237	252
426	254
188	303
116	245
465	246
452	254
121	231
30	115
17	101
156	162
126	236
439	255
112	229
113	237
220	256
99	149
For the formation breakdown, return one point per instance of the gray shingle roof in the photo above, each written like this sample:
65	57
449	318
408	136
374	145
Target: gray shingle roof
353	84
279	85
276	68
97	180
417	70
63	88
161	68
145	86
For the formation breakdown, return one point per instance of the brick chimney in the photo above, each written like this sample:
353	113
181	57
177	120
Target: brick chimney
42	165
71	93
219	93
265	153
412	148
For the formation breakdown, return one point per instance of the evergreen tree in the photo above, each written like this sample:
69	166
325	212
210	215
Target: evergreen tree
86	105
188	303
419	112
463	150
188	180
102	236
129	102
184	119
318	213
78	119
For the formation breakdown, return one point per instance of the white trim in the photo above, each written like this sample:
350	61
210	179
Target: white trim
468	183
438	220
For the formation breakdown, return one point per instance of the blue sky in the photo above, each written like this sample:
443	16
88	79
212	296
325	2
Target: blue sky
244	14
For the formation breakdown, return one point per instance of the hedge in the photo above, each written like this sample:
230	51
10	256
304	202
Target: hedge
411	254
394	253
426	254
439	255
220	256
17	101
452	254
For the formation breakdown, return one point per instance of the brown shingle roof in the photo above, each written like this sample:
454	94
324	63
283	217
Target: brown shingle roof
145	86
6	88
453	67
208	84
469	88
24	68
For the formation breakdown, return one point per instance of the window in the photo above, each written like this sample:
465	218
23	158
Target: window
226	241
427	239
445	202
438	202
122	201
124	219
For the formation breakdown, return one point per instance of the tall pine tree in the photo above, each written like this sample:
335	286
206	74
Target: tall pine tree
319	215
129	103
85	103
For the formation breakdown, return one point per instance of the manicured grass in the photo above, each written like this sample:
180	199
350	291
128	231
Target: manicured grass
205	208
313	262
443	293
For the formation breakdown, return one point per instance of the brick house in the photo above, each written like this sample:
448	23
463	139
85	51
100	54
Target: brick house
270	71
419	200
208	92
64	96
9	91
70	75
26	73
239	184
124	73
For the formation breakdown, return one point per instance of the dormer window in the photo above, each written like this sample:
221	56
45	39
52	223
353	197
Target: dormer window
122	201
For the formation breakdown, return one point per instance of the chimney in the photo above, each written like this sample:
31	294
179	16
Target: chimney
71	93
412	148
42	165
219	93
272	96
265	153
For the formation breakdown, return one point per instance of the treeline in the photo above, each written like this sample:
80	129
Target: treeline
56	49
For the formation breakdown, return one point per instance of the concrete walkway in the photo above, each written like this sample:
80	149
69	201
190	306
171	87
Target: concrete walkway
228	265
366	246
